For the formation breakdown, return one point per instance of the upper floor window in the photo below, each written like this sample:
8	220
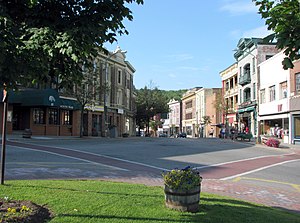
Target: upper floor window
188	104
247	94
262	96
272	93
246	69
119	76
268	56
297	80
227	86
254	91
283	90
253	65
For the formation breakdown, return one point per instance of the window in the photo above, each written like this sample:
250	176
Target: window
262	96
227	86
119	97
253	65
53	116
188	104
297	80
272	93
247	95
241	96
67	117
297	126
254	91
283	90
38	116
188	116
119	76
268	56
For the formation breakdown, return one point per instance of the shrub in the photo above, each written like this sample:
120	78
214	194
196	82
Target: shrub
182	179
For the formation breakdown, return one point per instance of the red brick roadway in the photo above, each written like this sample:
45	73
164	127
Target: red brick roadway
213	176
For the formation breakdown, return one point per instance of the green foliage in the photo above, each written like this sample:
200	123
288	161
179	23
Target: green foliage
206	119
184	179
93	201
172	94
283	17
150	101
43	40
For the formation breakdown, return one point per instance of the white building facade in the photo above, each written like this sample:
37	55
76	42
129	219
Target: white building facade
274	99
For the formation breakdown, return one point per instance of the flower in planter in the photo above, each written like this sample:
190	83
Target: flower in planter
272	142
182	179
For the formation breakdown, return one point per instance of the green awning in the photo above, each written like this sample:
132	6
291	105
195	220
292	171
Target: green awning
241	110
249	109
46	97
69	104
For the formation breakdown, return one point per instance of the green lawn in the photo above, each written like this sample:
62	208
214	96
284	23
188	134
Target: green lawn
94	201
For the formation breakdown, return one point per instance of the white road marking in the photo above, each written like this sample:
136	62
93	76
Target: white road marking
258	169
113	167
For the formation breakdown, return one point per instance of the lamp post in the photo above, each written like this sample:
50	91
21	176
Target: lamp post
118	50
5	104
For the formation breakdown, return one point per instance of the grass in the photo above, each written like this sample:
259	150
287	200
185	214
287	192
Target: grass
92	201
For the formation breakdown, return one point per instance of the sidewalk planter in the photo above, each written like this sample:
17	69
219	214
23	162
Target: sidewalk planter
272	142
182	189
27	133
183	200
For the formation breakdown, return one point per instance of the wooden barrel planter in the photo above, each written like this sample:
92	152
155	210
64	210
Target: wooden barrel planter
182	200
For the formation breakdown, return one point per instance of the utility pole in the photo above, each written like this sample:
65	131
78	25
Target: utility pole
5	104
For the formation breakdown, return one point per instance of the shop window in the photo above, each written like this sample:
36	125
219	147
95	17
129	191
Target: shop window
53	116
67	117
38	116
297	127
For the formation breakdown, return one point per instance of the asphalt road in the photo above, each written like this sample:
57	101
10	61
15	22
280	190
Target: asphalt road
56	158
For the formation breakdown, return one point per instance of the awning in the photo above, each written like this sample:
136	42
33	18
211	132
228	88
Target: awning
41	98
69	104
249	109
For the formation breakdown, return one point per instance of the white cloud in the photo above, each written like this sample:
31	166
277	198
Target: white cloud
172	75
258	32
236	8
179	57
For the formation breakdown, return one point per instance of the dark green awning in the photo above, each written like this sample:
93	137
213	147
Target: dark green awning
69	104
41	98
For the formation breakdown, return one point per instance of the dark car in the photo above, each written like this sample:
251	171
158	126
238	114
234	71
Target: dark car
181	135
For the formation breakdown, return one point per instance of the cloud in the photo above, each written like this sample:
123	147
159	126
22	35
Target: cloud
236	8
179	57
258	32
172	75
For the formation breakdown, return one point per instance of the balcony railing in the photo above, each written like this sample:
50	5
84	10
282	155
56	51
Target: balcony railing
245	78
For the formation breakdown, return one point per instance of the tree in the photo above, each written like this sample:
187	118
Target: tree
50	39
150	101
206	120
283	17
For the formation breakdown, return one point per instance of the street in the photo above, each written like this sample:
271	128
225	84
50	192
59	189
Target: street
246	168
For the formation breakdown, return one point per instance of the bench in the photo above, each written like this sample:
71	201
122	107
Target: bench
296	139
244	136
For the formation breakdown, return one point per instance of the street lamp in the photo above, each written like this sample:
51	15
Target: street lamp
118	50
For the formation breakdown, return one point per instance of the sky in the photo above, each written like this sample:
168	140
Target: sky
181	44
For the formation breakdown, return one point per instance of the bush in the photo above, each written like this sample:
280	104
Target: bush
184	179
272	142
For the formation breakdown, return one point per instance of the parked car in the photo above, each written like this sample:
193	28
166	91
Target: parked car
181	135
163	135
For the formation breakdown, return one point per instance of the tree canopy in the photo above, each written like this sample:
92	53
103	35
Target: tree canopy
150	101
50	39
283	17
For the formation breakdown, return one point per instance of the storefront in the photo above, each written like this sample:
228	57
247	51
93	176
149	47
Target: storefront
247	117
44	112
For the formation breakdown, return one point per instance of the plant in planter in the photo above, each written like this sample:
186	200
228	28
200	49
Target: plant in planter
272	142
182	189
